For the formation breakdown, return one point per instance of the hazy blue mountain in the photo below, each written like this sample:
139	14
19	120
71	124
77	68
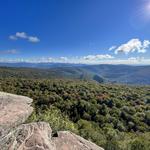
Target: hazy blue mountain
122	73
39	65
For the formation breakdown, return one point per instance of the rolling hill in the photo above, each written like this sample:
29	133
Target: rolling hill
123	74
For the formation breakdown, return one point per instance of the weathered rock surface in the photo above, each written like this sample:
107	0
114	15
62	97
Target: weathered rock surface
33	136
14	110
38	136
67	140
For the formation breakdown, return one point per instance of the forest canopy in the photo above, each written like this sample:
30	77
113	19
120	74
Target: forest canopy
112	116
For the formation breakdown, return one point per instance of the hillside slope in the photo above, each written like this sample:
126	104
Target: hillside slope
101	73
112	116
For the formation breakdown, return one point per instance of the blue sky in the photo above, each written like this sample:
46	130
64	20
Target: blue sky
76	31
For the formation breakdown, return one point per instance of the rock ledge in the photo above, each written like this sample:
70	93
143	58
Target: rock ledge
14	110
14	135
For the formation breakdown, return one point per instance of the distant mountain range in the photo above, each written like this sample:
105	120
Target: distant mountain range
124	74
39	65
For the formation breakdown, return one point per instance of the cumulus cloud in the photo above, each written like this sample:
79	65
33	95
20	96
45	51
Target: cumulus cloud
134	45
146	43
112	48
11	51
33	39
23	35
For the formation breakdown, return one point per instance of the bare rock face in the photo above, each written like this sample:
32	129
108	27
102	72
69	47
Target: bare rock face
69	141
33	136
14	110
14	135
38	136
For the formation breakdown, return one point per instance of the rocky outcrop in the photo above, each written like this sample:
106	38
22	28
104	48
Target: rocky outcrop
66	140
14	110
38	136
33	136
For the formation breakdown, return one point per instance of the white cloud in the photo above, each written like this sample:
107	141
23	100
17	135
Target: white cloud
112	48
90	59
81	60
134	45
138	59
132	58
133	61
23	35
12	37
146	44
11	51
97	57
33	39
64	58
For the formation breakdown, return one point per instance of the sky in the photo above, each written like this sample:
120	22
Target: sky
75	31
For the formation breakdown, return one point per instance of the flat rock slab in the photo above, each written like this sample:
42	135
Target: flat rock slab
32	136
14	110
38	136
14	135
67	140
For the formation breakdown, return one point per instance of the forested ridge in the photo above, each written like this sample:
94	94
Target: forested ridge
120	74
116	117
52	73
